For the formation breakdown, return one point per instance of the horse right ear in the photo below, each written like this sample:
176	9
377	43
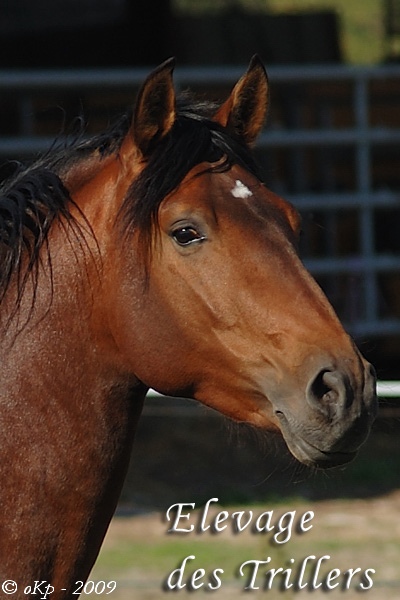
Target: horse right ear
155	110
245	110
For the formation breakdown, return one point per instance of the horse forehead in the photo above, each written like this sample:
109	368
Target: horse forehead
233	192
244	191
249	191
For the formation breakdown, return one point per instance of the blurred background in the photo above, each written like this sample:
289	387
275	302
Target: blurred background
331	146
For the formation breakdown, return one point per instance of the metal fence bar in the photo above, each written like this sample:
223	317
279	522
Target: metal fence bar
388	389
49	79
385	389
343	200
363	169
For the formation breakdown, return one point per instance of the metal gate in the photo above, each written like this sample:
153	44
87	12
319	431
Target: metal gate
331	147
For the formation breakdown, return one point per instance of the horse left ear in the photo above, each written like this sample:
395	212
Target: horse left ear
245	110
155	108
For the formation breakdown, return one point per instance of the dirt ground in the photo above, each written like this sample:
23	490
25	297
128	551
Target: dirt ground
355	534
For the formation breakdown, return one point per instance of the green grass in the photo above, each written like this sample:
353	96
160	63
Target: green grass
361	23
167	554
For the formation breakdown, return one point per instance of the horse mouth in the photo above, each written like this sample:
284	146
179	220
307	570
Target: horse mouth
311	455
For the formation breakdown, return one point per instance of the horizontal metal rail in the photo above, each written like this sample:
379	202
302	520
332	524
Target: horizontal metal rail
336	201
328	137
49	79
385	389
388	389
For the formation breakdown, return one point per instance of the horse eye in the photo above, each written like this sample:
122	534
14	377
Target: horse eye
187	235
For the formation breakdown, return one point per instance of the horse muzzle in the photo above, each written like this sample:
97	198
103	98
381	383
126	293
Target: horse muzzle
336	420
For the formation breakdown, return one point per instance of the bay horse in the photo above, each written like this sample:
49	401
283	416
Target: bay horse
153	255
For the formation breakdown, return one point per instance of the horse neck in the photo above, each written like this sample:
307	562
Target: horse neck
68	411
54	350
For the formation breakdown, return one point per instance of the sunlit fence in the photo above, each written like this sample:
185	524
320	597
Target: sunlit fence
385	390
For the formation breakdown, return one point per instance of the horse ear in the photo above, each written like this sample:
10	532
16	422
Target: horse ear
154	113
245	110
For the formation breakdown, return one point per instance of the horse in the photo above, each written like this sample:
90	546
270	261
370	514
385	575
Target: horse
153	256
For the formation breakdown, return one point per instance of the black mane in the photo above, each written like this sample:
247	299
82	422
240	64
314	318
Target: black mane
28	206
34	198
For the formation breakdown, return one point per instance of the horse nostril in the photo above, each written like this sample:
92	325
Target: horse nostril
319	387
329	392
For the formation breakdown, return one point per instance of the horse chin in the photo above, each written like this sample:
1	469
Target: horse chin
311	455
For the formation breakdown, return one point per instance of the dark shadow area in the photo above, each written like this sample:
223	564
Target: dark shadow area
86	33
178	458
83	33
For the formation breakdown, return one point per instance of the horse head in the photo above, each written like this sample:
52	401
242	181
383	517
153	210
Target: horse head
210	297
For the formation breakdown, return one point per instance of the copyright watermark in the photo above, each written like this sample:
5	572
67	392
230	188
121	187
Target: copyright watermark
9	587
44	589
